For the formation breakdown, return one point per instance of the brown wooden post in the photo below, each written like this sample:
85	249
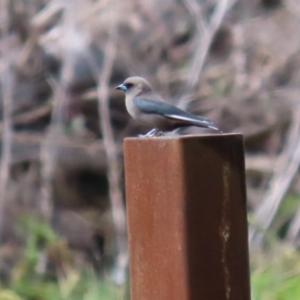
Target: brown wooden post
187	222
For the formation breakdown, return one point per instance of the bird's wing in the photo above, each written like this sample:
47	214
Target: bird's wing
156	107
171	112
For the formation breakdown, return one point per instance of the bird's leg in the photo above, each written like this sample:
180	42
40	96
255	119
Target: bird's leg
153	132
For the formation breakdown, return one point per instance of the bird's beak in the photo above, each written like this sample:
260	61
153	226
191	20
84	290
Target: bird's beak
122	87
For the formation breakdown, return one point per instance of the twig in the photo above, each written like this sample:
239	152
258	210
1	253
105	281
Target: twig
7	100
294	228
49	150
33	115
260	163
47	15
103	74
27	147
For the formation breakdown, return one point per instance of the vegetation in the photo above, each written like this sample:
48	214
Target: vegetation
276	276
28	281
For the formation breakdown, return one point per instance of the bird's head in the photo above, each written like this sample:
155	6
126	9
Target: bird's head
135	86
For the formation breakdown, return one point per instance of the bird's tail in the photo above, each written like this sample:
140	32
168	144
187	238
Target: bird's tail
187	119
203	122
214	127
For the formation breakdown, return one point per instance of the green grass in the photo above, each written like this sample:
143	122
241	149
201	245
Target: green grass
68	281
276	276
74	286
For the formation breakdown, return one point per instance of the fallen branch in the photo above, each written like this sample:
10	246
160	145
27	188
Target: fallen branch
206	32
285	169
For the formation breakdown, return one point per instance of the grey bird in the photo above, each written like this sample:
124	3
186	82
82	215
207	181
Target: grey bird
147	107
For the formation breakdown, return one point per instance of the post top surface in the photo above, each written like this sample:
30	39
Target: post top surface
184	137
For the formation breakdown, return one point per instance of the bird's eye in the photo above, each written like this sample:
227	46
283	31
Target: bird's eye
129	85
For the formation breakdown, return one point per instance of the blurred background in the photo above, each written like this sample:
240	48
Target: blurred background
62	206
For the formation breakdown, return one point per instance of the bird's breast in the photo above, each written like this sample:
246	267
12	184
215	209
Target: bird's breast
131	108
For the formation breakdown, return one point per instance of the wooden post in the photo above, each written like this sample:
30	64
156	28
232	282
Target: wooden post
187	222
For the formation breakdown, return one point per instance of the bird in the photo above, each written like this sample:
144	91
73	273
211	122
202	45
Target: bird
148	108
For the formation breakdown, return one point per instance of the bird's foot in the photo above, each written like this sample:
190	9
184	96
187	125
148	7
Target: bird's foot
149	134
153	132
159	133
